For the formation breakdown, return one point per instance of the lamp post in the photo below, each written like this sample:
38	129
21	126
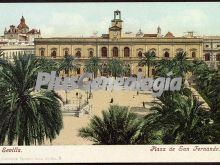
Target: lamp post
87	97
78	98
90	91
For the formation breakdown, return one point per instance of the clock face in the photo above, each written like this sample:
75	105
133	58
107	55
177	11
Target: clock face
115	33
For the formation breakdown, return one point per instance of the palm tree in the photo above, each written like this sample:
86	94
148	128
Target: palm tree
68	64
207	81
47	65
116	126
27	116
93	66
148	60
181	64
163	67
115	67
181	119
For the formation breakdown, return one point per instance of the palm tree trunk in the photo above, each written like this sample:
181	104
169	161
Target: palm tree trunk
148	70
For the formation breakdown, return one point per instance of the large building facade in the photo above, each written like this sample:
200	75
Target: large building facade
117	44
211	50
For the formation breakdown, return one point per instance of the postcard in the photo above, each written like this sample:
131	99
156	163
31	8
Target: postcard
109	82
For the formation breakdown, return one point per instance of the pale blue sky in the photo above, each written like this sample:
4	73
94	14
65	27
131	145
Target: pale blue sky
77	19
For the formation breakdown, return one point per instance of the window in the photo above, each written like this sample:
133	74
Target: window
207	57
66	71
90	53
139	70
66	52
41	52
166	54
206	46
153	72
78	54
140	54
126	52
54	54
153	50
78	70
193	54
104	52
115	52
218	46
218	57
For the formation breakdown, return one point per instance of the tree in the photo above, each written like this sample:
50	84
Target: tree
47	65
207	80
148	60
116	126
115	67
181	119
181	64
68	64
93	66
27	116
163	67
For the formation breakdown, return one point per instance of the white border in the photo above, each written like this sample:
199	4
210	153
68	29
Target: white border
107	153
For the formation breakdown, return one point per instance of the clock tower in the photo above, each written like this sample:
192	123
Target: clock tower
116	26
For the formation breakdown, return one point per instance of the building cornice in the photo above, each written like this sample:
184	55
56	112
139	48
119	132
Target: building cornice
116	41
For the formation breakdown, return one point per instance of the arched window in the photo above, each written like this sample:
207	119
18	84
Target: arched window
218	57
78	54
166	54
207	57
139	70
153	71
115	52
90	53
66	52
66	71
41	52
140	54
153	50
193	54
54	54
104	52
78	70
126	52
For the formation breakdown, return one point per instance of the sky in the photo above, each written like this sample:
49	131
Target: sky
83	19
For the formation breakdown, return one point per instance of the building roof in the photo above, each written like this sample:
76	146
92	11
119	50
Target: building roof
169	35
150	35
105	35
33	31
22	24
114	28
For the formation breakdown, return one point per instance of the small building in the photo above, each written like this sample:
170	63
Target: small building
21	32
